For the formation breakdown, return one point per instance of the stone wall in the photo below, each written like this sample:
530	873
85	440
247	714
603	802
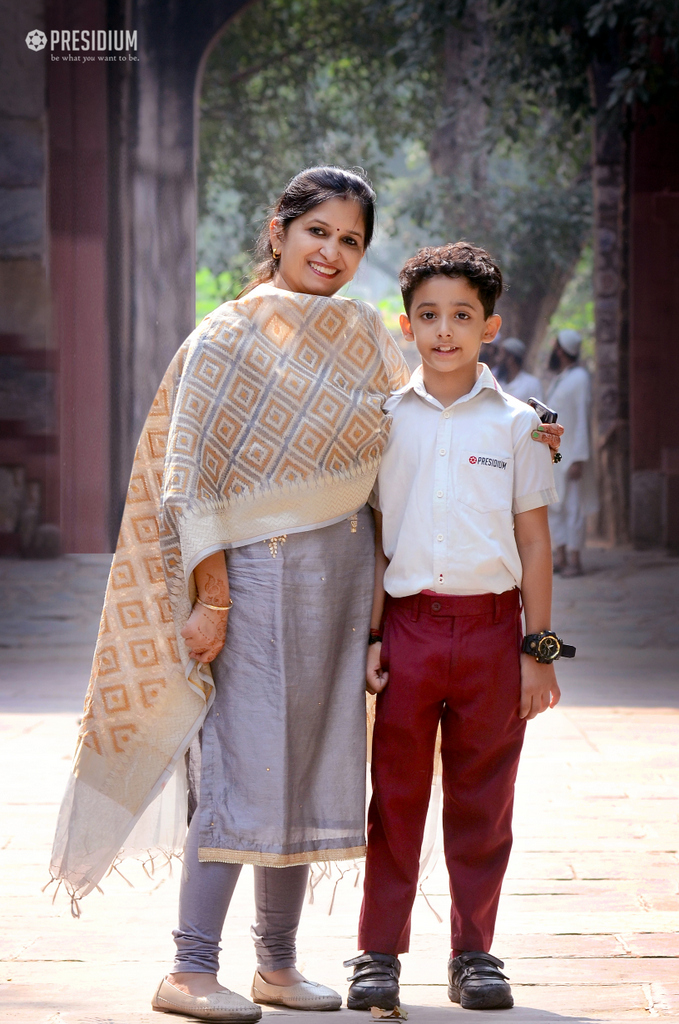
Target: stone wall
28	423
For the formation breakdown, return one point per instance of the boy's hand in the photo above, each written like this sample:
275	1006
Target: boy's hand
375	678
539	688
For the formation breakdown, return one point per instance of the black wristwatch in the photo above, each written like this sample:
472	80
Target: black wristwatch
546	647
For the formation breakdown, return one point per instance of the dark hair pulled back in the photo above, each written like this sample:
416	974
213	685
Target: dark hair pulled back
310	188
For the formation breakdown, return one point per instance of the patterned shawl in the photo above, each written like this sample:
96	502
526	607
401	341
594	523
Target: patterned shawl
268	421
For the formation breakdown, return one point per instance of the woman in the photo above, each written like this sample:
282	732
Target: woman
263	443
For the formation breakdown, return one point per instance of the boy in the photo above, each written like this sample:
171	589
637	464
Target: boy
463	492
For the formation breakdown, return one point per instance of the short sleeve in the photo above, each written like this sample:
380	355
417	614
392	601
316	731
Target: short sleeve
533	474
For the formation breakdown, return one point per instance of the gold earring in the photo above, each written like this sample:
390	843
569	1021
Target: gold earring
276	253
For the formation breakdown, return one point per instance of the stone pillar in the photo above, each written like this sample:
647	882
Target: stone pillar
29	492
610	385
152	297
653	319
78	278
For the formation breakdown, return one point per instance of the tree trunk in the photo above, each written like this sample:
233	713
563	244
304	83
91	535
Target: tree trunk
458	156
611	345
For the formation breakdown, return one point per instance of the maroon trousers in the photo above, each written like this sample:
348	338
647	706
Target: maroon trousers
453	660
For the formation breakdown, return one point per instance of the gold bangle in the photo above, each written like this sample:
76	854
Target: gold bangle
216	607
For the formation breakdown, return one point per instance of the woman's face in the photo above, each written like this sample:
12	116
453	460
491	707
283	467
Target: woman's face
321	250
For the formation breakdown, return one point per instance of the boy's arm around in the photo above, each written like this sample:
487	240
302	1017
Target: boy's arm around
539	688
375	678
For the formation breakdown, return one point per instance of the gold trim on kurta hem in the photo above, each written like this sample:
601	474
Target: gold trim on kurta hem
277	860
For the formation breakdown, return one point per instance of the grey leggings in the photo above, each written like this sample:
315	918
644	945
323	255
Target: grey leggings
204	898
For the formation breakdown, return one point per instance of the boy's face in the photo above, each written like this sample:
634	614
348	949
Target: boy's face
447	324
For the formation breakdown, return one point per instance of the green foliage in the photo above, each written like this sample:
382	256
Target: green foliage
212	290
576	309
554	43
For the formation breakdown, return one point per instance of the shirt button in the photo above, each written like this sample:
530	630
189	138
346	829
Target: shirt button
442	451
436	607
446	415
439	494
440	536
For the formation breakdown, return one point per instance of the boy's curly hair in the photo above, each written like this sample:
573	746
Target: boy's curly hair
457	259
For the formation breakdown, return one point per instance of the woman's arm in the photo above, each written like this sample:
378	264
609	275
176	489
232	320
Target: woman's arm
205	629
539	688
375	678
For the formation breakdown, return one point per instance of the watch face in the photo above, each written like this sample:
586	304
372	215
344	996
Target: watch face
548	648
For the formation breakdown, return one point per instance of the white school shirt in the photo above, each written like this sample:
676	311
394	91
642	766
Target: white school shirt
523	387
449	485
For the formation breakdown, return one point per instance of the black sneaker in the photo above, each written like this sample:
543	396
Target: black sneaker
476	982
374	981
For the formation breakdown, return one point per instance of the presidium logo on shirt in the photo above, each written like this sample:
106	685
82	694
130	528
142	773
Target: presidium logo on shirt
483	460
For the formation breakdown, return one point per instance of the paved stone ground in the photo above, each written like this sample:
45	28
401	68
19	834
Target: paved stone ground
590	914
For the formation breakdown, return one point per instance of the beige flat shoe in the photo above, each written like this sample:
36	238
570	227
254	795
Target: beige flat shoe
305	995
218	1006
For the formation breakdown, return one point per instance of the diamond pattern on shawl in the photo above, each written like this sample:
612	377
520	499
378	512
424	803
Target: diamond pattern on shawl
328	406
361	350
107	661
291	473
131	614
122	575
157	440
115	698
356	433
244	394
278	330
154	568
151	690
258	455
309	442
121	736
143	652
227	428
294	384
185	441
213	463
138	491
276	416
337	460
259	360
194	405
145	528
310	356
209	370
237	484
329	324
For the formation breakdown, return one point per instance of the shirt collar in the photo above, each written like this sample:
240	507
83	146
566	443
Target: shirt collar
416	384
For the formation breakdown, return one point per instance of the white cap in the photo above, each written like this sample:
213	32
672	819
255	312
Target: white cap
570	341
514	347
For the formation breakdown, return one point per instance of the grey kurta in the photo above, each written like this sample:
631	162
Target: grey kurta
284	747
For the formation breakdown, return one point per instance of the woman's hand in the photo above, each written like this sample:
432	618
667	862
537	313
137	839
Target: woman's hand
375	678
549	433
539	688
205	633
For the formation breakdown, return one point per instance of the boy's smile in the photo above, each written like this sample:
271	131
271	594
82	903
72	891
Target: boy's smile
448	325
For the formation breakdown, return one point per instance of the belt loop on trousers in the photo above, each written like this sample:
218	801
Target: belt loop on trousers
497	609
415	608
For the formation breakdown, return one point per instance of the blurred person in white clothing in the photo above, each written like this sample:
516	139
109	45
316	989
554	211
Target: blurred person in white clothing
571	395
515	380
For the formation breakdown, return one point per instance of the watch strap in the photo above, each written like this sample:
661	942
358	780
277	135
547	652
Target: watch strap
567	651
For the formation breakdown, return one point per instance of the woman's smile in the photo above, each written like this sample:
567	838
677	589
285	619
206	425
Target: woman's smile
320	251
323	269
